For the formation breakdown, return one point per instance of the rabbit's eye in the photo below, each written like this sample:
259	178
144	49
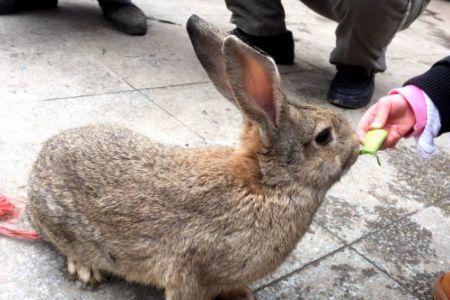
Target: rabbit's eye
324	137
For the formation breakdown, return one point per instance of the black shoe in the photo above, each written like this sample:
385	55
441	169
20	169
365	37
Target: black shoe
125	16
352	87
279	47
14	6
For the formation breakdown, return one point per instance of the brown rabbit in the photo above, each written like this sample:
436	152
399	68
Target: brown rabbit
201	223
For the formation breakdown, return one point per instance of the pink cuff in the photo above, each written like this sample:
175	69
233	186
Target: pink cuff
416	99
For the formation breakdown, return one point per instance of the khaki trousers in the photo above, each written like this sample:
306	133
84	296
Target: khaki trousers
365	27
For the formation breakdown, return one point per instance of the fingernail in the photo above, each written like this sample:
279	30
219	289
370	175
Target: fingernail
375	125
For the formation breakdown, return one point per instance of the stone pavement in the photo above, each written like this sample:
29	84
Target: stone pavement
383	232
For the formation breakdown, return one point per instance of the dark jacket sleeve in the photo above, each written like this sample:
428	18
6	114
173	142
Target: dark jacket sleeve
436	84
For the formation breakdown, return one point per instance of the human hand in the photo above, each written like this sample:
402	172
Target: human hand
392	113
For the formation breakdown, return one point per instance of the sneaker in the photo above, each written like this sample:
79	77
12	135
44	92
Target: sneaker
279	47
15	6
125	16
352	87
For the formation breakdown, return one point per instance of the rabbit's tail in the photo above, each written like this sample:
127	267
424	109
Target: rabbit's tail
8	212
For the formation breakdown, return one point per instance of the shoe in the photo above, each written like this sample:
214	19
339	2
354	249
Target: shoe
442	287
279	47
352	87
15	6
125	16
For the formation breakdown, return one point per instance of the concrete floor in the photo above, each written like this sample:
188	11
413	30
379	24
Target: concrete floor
383	232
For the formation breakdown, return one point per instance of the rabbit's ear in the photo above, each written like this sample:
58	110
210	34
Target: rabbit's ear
207	41
255	83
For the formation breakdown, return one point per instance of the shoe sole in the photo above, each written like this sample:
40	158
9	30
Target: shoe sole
347	104
131	30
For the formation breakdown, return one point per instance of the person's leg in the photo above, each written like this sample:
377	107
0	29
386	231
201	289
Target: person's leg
365	28
322	7
15	6
260	23
364	31
258	17
125	16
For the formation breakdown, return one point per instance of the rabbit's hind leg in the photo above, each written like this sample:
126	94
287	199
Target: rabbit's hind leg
87	275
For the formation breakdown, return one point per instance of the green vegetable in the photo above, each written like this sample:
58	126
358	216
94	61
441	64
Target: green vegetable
373	141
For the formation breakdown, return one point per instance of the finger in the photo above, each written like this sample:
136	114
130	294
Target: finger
360	136
361	133
393	137
364	123
383	108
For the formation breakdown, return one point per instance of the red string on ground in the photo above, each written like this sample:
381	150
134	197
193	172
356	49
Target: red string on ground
7	209
7	212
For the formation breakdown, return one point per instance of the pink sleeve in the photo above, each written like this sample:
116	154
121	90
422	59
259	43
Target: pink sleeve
416	99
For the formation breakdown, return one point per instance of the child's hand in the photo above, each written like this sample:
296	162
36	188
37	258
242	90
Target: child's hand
392	113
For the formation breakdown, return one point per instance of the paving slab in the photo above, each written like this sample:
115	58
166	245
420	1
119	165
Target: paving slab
414	250
203	109
46	66
164	57
371	197
343	275
35	271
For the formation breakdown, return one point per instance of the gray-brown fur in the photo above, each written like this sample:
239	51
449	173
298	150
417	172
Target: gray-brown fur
198	222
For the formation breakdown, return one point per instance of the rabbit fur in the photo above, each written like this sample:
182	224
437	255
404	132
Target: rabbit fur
200	223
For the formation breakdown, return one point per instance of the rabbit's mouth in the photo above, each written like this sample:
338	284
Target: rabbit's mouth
342	166
350	161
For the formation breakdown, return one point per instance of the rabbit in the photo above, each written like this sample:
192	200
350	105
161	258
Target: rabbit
202	223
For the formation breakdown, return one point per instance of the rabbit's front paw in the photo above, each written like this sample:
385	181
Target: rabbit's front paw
238	294
88	276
